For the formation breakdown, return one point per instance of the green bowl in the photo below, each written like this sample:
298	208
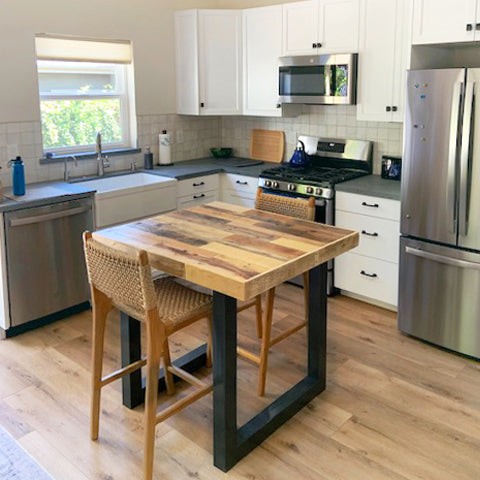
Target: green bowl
223	152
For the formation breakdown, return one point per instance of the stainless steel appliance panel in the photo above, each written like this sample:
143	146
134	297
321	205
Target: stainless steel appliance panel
46	270
431	154
318	79
469	177
439	297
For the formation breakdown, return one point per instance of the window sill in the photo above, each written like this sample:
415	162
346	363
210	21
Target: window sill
88	155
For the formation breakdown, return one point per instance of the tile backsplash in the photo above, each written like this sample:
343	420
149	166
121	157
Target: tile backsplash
337	121
192	137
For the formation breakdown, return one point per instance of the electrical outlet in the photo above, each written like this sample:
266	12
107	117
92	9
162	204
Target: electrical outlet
179	136
12	151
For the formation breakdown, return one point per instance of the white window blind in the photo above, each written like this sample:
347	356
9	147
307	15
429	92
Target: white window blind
51	47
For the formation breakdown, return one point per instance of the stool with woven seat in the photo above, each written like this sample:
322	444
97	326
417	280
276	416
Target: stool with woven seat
122	280
293	207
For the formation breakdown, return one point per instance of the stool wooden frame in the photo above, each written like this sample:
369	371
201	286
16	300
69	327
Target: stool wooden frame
122	280
292	207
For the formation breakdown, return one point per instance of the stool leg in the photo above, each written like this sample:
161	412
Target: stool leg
258	313
101	306
154	352
306	293
267	329
210	339
167	363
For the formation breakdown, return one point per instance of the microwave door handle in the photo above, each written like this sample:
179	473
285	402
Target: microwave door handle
451	197
465	159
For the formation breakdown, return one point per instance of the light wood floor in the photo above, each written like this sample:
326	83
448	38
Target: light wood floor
394	408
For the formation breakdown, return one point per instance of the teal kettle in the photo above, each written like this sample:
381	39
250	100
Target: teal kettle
299	157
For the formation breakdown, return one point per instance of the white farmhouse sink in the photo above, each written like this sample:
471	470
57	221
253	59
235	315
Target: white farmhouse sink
129	197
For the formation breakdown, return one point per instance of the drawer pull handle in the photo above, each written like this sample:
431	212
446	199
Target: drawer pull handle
373	205
242	183
374	234
198	184
199	196
370	275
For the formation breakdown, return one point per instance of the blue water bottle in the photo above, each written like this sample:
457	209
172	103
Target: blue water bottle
18	176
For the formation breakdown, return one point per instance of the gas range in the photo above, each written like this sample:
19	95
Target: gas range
331	161
311	181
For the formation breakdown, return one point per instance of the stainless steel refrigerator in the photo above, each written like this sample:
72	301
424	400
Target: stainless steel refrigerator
439	295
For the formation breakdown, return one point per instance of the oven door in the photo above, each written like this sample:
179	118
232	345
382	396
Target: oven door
325	79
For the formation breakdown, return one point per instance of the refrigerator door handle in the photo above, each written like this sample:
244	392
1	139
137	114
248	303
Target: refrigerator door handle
465	159
451	197
454	262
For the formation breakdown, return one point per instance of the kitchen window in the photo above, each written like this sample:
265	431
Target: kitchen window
85	87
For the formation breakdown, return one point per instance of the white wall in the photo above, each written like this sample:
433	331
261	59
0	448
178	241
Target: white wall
147	23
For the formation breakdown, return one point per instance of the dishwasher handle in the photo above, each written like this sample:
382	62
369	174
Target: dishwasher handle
18	222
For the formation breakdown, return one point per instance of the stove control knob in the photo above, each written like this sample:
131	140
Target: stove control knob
309	190
275	185
292	187
267	183
318	191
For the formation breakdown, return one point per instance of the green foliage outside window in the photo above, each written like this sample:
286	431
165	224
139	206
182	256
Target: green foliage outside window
69	123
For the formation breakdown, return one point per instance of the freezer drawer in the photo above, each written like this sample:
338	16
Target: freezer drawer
45	265
439	297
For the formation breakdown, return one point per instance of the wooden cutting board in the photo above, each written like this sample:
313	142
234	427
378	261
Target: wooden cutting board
267	145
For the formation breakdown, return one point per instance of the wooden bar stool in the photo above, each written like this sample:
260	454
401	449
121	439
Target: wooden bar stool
123	280
293	207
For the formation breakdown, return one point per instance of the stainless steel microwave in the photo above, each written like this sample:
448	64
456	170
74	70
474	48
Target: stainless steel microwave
319	79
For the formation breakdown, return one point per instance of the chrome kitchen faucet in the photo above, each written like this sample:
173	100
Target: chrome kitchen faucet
102	160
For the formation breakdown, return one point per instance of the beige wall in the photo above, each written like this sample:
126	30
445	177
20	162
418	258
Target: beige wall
147	23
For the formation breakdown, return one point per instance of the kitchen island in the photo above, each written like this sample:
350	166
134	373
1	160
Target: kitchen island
239	253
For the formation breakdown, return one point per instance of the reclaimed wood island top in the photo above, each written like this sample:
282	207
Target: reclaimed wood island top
235	250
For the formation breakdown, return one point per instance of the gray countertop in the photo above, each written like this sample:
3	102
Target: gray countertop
372	185
53	192
37	194
207	166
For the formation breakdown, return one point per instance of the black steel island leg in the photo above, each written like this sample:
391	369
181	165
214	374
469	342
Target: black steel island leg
230	442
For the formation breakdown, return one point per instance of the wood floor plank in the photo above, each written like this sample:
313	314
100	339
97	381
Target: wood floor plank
395	408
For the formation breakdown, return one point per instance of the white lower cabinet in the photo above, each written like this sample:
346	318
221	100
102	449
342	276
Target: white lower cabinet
239	189
371	270
197	190
369	277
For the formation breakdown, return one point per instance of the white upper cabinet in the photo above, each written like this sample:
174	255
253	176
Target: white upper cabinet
186	56
320	26
262	42
209	60
445	21
383	59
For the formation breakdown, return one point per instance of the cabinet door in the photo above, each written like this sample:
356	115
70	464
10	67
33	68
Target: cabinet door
443	21
220	53
186	55
383	59
300	28
262	40
338	26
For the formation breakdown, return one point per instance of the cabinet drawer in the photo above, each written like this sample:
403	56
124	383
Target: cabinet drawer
379	238
197	184
369	277
196	199
240	183
239	198
367	205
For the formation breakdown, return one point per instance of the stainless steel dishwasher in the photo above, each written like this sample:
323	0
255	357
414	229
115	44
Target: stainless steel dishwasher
45	264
